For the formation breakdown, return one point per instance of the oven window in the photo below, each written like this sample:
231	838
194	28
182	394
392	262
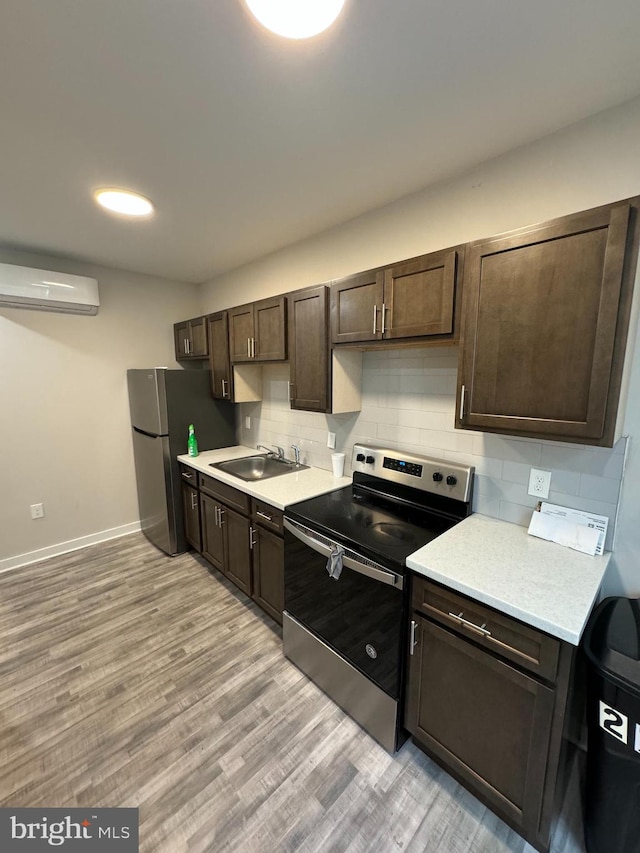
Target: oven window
358	617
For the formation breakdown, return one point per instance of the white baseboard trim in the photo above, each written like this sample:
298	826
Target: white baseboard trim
20	560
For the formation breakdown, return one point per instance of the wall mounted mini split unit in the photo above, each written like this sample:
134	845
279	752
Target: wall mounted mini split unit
43	290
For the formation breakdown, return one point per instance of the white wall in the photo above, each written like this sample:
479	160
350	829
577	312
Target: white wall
65	437
590	163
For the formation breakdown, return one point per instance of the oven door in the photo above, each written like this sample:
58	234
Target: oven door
359	616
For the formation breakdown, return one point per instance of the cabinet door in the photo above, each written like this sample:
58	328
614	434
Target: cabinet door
212	532
199	342
309	349
181	339
356	305
542	312
238	551
484	720
419	296
221	374
191	515
268	572
241	333
270	329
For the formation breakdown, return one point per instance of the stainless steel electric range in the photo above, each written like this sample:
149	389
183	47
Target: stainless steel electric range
346	585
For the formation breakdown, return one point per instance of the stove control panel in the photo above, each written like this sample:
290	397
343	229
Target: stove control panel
438	476
402	465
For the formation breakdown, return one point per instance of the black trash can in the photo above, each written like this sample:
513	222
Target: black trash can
612	647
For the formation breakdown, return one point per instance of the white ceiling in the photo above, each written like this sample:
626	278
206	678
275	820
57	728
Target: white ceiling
247	142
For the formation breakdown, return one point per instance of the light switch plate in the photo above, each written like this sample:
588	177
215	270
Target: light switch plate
247	422
331	440
539	483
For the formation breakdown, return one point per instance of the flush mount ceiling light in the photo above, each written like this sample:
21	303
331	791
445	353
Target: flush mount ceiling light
123	201
296	19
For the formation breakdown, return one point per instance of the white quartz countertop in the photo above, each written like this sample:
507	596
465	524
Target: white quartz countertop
278	491
541	583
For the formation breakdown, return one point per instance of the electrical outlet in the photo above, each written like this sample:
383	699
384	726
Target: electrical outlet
37	510
247	422
539	483
331	440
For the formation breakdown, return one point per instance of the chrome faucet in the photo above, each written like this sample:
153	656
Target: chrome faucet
296	453
278	452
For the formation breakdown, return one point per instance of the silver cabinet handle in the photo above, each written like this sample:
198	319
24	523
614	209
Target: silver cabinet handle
384	309
463	391
194	501
412	638
264	515
252	541
248	347
220	514
324	546
375	317
186	476
186	346
481	629
216	510
224	393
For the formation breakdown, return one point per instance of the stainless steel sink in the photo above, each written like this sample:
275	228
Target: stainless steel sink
252	468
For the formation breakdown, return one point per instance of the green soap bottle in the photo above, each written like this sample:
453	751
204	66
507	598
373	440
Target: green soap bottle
192	442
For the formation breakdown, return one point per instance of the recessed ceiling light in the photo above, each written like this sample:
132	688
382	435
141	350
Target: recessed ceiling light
296	19
123	201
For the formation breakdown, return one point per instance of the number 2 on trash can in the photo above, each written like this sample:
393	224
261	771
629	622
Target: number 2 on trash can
615	723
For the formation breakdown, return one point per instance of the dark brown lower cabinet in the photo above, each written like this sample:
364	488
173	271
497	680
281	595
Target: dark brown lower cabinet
483	718
268	572
242	538
191	514
212	532
497	728
238	549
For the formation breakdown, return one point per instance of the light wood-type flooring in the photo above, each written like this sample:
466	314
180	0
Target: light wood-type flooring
128	678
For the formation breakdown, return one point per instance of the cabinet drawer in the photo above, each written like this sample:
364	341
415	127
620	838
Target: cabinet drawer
522	644
267	516
230	496
189	475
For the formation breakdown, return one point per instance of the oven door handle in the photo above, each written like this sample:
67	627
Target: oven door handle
307	538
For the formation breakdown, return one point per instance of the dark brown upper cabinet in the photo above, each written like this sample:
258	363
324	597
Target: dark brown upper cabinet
190	338
546	315
219	359
257	332
309	363
411	299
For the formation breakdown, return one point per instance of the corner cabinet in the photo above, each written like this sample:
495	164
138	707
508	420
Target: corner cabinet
487	698
546	316
411	300
258	331
190	337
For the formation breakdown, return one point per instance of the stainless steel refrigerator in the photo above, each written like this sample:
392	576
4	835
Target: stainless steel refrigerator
163	403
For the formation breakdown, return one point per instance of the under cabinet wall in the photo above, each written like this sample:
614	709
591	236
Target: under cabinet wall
408	401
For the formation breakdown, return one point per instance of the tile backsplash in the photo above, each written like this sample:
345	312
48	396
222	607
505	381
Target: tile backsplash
408	402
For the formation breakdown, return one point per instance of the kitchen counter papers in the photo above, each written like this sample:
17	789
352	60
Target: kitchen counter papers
582	531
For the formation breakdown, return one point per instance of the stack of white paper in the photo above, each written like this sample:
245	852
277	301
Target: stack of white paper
583	531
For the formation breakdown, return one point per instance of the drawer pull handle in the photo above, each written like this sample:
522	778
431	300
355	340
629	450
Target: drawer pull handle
264	515
481	629
187	476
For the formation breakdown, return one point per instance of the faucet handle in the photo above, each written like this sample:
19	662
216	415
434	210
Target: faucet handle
280	451
296	453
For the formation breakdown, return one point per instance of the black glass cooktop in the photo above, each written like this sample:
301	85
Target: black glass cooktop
380	529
